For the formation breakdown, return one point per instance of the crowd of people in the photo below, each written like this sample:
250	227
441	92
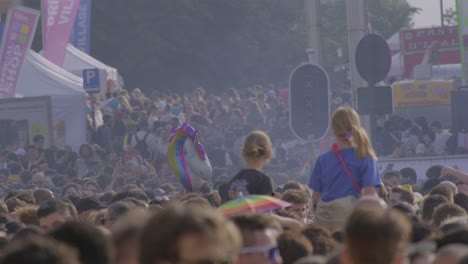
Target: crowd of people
117	201
398	137
139	125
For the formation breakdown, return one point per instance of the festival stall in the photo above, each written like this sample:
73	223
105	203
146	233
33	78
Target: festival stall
40	77
23	118
430	98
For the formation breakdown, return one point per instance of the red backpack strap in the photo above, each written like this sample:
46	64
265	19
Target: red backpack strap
336	150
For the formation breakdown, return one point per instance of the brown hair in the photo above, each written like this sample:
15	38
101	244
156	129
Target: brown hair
197	202
390	174
376	236
27	215
295	197
444	191
3	208
430	203
28	250
126	232
249	223
405	195
256	145
461	199
294	246
346	120
321	239
446	211
295	185
161	234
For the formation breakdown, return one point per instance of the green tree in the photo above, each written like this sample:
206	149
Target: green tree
179	44
213	43
386	17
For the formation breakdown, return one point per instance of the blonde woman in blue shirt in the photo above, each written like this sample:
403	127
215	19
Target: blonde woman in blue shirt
344	173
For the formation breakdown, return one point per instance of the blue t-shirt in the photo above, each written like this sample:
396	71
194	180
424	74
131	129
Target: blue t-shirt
330	178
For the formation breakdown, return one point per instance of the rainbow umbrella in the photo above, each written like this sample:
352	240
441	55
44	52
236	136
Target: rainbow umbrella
256	204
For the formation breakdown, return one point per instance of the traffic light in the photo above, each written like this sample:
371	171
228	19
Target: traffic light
309	97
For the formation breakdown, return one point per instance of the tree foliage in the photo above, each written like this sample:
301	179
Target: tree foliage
179	44
450	17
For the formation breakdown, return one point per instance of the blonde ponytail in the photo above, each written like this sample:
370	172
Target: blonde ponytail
362	143
346	126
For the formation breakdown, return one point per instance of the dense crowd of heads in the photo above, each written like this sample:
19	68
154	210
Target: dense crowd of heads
398	137
114	202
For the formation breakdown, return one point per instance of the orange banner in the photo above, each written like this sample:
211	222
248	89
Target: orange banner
422	93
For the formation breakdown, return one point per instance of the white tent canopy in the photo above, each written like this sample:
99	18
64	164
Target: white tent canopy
394	42
40	77
76	61
397	68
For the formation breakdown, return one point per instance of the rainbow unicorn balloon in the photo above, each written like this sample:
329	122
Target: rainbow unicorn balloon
188	160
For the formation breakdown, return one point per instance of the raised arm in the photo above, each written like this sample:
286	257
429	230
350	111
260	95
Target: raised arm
461	176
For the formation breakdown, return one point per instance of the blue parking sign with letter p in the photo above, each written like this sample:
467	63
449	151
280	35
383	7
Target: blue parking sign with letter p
91	81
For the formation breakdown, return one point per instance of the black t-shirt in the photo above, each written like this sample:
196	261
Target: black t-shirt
119	128
249	181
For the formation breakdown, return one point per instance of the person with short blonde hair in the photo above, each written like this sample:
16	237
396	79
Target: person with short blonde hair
257	149
256	152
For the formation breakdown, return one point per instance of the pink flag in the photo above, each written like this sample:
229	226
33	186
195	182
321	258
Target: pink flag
58	17
17	38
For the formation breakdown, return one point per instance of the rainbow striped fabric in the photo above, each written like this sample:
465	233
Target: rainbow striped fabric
256	204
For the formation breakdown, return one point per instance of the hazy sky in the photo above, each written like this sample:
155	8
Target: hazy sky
430	13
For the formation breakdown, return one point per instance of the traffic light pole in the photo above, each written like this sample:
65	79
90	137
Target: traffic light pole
312	10
356	31
356	26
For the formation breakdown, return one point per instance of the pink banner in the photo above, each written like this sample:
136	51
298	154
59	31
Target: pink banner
58	18
17	38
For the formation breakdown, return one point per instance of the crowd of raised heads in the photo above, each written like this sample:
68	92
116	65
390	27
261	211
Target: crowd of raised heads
398	137
115	200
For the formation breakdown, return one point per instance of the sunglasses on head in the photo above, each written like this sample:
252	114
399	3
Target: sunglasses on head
271	253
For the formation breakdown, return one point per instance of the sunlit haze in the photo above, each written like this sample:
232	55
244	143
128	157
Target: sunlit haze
430	12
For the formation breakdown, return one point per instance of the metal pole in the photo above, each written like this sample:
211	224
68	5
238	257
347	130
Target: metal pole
356	31
442	12
93	109
462	11
312	9
356	27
